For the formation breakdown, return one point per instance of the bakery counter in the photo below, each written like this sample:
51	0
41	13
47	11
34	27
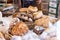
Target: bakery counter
28	24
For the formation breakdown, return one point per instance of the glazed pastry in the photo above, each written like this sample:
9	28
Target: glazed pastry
37	14
44	21
19	29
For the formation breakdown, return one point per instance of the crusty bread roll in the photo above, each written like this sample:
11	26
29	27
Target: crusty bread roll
23	9
44	21
32	9
37	14
19	29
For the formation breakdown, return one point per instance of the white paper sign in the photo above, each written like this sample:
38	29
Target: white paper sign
51	10
51	4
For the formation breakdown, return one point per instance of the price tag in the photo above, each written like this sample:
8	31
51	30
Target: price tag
51	4
51	10
51	15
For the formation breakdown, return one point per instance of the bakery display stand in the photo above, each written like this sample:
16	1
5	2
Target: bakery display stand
53	8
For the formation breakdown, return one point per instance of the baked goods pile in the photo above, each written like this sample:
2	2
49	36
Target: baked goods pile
26	20
43	21
34	17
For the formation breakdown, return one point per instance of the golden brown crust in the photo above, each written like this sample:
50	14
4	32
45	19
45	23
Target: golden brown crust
1	35
19	29
37	15
15	15
32	9
23	9
44	21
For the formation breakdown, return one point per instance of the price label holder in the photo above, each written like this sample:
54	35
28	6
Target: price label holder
53	8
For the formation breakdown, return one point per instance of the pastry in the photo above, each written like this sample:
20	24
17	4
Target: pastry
30	25
32	9
23	9
53	21
37	15
15	15
44	21
1	35
19	29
